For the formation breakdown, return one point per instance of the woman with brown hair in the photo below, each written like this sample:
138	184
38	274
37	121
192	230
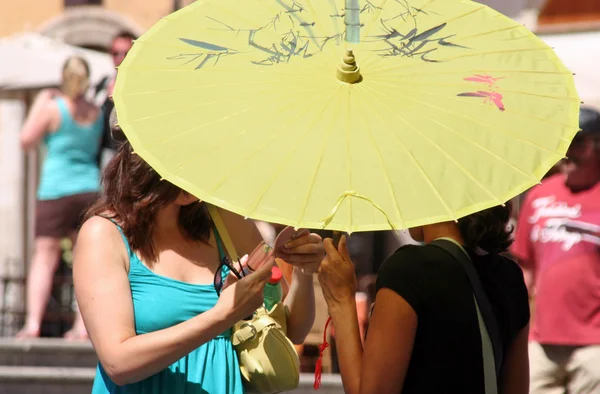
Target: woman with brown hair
147	267
70	127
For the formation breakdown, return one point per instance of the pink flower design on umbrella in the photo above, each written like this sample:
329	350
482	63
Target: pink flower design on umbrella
488	96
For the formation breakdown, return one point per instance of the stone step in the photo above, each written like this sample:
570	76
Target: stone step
45	380
47	352
61	380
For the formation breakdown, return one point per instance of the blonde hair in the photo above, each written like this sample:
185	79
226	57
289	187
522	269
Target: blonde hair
76	77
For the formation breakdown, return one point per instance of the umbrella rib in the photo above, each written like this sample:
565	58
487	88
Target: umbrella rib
275	69
171	112
486	150
443	152
419	65
281	9
384	167
288	156
532	49
302	23
220	143
370	25
349	156
196	87
414	160
463	116
485	33
317	15
171	137
318	167
572	99
424	7
469	85
496	71
256	151
212	148
458	17
237	15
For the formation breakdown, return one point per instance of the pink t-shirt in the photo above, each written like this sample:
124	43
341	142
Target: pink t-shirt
558	236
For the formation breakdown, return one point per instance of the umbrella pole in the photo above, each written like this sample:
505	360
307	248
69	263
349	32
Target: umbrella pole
337	235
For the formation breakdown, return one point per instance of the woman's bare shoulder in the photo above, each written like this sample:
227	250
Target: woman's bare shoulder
99	228
100	242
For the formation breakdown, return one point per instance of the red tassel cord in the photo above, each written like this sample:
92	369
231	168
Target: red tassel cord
322	348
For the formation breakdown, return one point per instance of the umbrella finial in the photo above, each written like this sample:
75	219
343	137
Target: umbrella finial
348	71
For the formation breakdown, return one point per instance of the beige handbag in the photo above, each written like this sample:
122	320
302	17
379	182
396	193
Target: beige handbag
268	360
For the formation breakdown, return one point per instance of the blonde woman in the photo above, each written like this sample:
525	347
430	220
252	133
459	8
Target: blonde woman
70	127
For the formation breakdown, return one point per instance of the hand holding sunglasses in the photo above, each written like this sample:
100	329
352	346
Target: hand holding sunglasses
240	296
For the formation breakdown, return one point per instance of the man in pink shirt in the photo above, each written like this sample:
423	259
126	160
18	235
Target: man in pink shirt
558	245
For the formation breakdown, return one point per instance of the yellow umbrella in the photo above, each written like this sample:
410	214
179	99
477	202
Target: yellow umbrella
346	115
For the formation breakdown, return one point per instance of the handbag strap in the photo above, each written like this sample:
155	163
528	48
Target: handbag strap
250	330
487	320
489	364
222	232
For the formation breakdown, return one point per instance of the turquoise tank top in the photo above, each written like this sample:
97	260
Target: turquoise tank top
158	303
70	166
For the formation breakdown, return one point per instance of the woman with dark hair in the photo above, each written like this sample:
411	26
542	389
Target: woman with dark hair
424	333
147	273
70	127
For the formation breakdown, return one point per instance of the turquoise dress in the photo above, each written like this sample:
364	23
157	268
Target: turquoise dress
160	302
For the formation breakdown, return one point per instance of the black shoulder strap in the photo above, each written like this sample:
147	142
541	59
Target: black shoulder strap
482	300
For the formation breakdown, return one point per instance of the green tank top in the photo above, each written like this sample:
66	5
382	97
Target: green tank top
160	302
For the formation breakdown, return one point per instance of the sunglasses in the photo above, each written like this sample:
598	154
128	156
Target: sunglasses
221	274
260	254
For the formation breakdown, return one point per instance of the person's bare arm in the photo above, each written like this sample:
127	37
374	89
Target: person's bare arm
515	376
349	347
104	297
41	119
393	325
301	303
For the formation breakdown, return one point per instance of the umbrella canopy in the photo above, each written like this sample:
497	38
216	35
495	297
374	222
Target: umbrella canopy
31	60
347	115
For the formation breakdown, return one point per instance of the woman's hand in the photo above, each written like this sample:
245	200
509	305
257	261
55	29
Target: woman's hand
337	275
241	298
304	251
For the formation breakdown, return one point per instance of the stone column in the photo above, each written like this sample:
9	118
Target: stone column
12	214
